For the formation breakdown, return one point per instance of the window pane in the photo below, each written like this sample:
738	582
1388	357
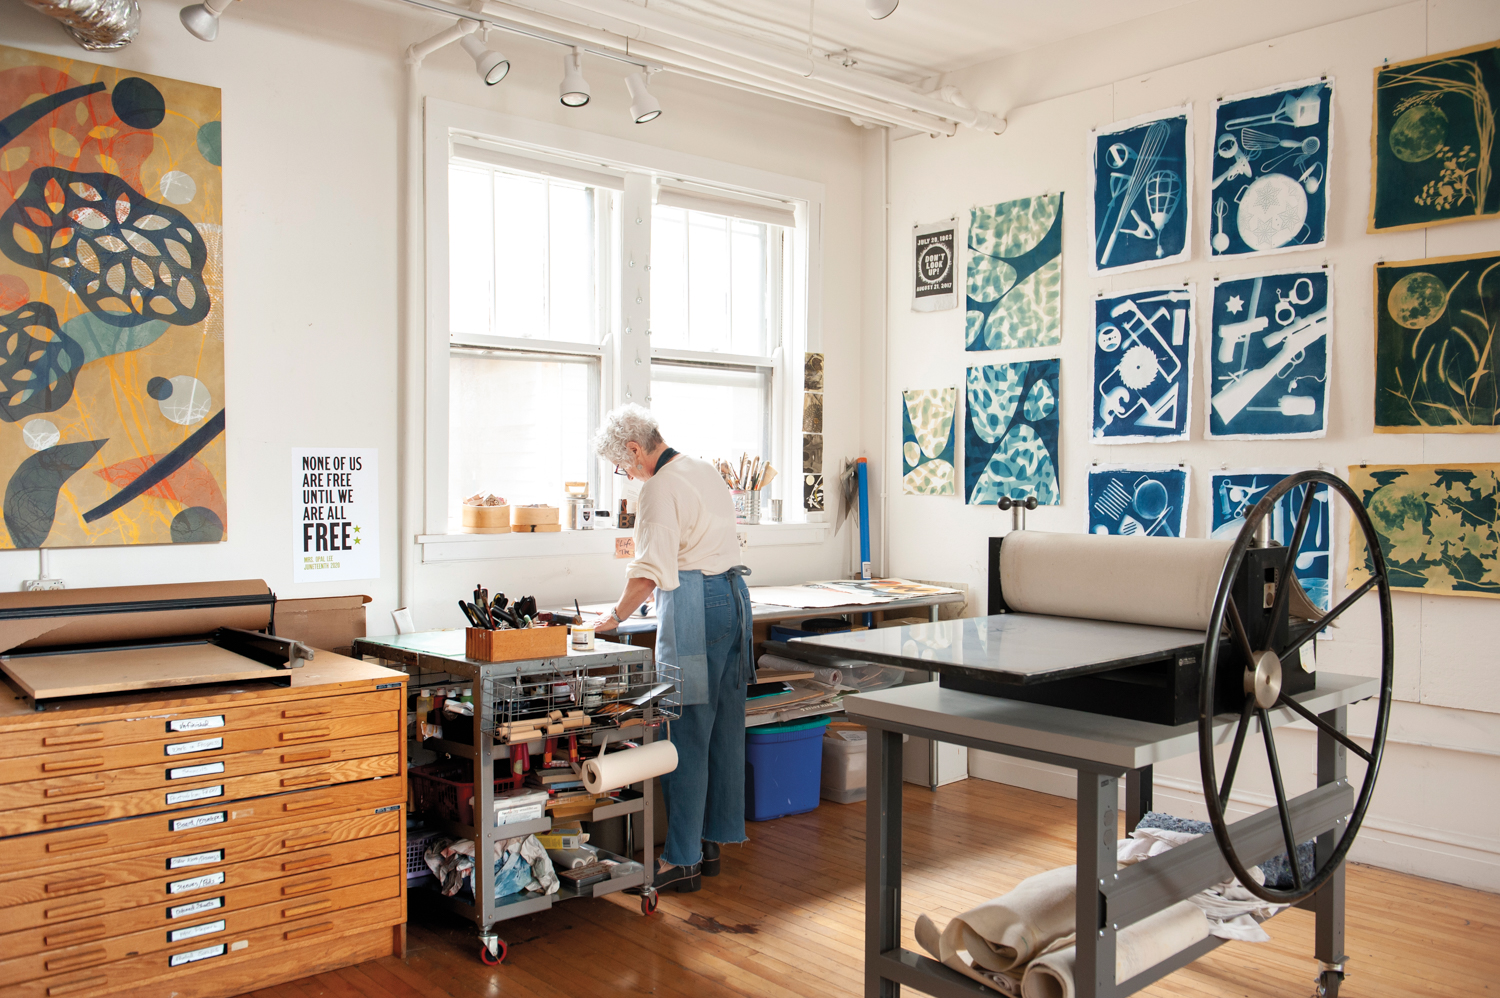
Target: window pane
669	278
708	289
471	247
519	428
520	256
710	413
749	287
571	255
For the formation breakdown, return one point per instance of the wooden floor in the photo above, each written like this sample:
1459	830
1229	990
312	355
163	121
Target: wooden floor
786	920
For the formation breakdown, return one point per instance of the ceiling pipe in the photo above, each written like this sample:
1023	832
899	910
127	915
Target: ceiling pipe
97	25
763	58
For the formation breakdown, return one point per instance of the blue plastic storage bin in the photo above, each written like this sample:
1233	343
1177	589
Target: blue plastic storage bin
783	768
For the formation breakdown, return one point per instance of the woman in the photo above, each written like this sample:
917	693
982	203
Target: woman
687	551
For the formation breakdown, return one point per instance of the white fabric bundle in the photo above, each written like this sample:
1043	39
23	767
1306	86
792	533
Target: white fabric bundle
1138	948
1003	934
1232	911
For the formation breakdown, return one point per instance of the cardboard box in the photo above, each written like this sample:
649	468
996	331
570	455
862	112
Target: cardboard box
331	623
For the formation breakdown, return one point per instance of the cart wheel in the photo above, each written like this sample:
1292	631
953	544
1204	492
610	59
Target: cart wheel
1262	669
649	902
488	954
1328	984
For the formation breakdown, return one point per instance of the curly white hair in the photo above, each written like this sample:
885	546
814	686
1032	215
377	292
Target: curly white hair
623	425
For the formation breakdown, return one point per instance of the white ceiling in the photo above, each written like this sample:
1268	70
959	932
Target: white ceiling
923	38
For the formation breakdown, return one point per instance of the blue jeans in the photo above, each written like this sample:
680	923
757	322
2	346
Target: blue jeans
706	793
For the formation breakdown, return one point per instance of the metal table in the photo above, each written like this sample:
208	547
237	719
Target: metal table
768	613
1102	750
443	652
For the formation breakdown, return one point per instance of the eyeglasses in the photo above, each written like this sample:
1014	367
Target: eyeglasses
621	471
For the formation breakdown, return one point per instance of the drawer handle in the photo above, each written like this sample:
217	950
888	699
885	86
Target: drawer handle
84	815
307	712
74	910
80	739
307	755
308	930
88	842
307	843
312	907
77	960
76	884
310	863
308	780
74	790
73	987
305	733
80	934
93	762
303	805
307	886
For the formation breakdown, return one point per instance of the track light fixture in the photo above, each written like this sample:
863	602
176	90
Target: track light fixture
879	9
574	91
202	19
491	65
643	106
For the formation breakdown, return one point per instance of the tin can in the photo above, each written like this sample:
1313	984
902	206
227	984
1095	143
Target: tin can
578	513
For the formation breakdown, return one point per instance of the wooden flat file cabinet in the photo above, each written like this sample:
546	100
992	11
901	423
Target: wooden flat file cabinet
202	843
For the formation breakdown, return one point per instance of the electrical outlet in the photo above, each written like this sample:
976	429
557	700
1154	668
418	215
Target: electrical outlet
33	585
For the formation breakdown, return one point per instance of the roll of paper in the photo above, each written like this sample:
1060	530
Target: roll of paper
1138	948
618	769
571	859
827	676
1162	581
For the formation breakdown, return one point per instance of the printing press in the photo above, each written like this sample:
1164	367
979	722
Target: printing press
1108	655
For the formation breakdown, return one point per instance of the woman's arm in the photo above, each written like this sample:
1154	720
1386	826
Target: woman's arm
636	592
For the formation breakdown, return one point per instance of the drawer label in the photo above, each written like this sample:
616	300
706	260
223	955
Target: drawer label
195	859
202	769
196	883
193	956
194	931
199	821
195	907
196	723
388	807
388	686
201	745
202	793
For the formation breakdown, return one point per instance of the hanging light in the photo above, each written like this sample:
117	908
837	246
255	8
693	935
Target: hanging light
491	65
879	9
202	19
643	106
574	91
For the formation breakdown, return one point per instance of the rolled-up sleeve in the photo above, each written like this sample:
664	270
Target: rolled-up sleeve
658	535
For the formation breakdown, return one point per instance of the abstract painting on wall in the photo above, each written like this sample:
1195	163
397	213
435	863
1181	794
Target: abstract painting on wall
1436	524
1141	207
927	441
111	285
812	432
1145	502
1015	274
1143	366
1433	155
1268	366
1270	171
1235	493
1010	437
1435	345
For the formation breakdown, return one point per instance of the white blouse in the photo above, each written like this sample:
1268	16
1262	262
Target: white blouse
684	521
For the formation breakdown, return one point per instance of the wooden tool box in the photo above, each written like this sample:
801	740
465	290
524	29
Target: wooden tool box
203	842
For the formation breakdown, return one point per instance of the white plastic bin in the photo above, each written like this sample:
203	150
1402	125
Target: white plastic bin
844	753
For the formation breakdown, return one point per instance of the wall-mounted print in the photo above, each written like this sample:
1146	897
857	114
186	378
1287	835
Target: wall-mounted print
1269	182
1435	345
812	432
1433	156
934	264
1010	436
1143	366
111	305
1144	502
1014	284
1268	369
1235	493
1140	210
927	441
1436	524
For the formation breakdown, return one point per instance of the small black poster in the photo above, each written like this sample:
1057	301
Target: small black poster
933	260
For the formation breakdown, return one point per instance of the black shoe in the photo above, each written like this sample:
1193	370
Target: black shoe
685	879
711	859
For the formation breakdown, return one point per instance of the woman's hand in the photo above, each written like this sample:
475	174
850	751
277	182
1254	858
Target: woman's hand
606	624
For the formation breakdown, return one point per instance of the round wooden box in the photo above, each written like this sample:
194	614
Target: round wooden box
486	519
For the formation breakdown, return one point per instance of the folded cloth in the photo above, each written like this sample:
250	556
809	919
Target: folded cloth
521	864
1138	948
1003	934
1232	911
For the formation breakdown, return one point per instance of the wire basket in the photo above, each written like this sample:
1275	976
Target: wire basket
446	789
555	685
416	848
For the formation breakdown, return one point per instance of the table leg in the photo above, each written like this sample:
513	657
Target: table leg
1137	796
1094	974
935	613
484	808
882	858
1328	903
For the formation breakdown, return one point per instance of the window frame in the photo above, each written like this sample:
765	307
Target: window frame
640	166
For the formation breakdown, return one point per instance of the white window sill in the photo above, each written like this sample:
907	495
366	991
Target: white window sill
439	548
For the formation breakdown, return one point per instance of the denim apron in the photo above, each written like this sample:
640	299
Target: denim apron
681	640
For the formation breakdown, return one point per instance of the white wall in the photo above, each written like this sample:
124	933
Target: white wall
314	116
1430	815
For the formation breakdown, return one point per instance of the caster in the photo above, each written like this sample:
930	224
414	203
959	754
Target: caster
649	902
492	951
1328	984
